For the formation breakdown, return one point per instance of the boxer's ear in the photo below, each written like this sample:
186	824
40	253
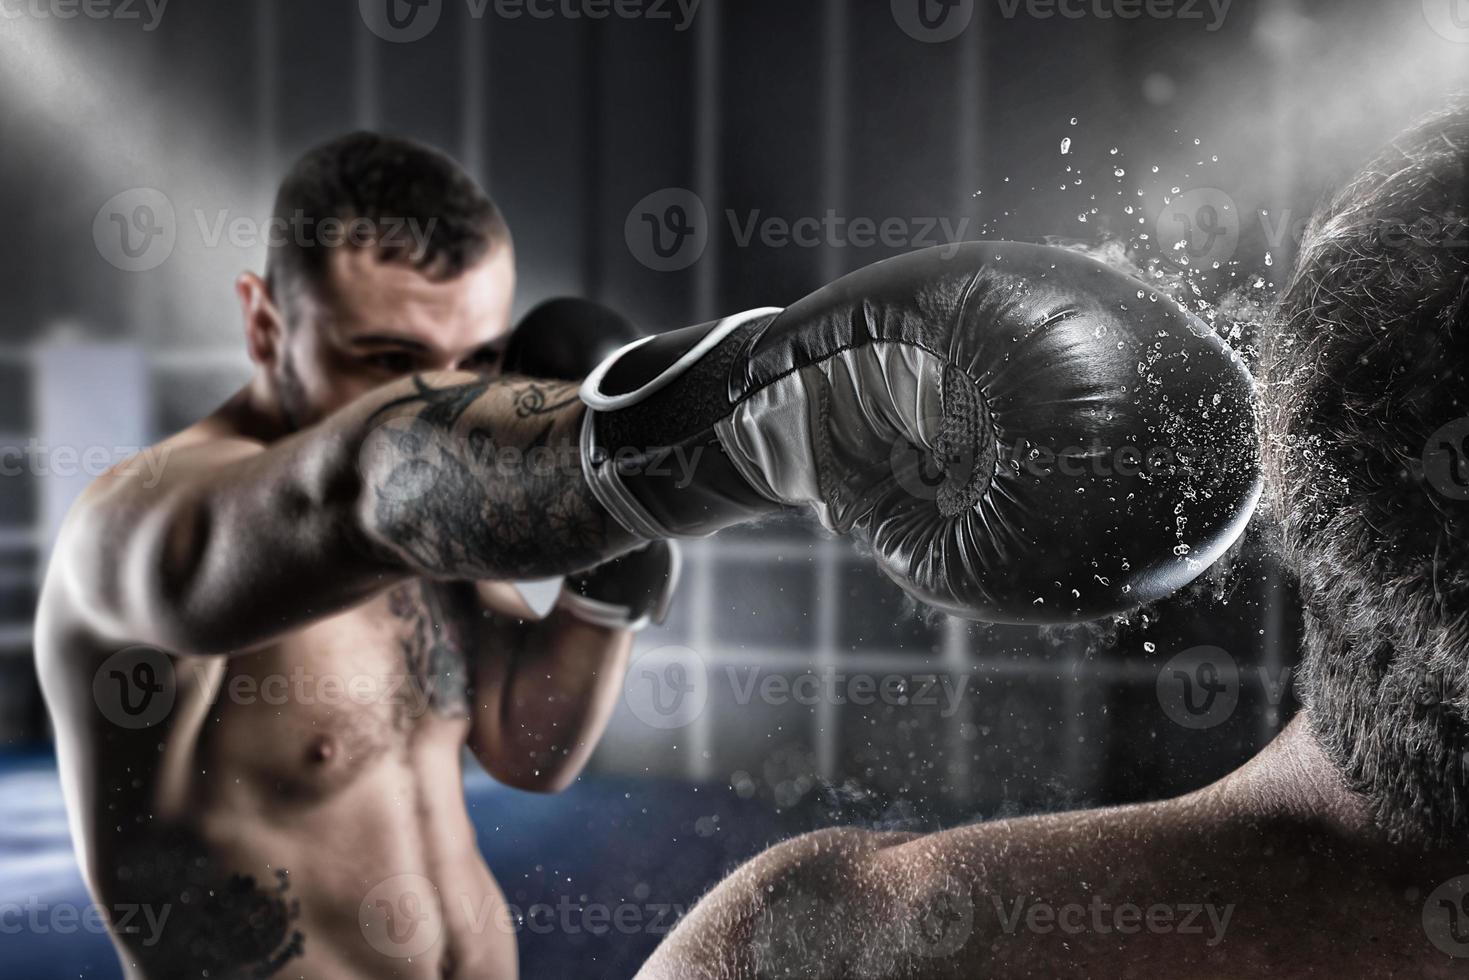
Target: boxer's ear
264	325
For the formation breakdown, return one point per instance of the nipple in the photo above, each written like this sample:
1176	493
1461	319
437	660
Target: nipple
323	749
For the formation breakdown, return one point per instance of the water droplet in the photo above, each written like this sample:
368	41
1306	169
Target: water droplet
1066	146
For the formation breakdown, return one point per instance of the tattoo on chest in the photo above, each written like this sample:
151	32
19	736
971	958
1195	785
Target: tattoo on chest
472	505
435	644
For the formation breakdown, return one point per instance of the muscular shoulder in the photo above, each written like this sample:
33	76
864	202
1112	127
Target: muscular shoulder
213	440
83	564
1164	889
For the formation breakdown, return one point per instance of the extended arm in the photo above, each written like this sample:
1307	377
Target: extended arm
440	476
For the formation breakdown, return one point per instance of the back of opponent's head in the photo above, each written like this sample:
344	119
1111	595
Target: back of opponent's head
1366	404
566	338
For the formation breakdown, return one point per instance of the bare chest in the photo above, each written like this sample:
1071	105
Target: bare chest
376	685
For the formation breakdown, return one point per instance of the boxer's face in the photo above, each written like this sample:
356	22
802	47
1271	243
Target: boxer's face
373	322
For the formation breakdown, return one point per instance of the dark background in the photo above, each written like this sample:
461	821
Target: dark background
1180	127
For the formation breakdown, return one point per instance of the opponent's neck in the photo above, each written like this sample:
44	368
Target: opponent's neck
1293	777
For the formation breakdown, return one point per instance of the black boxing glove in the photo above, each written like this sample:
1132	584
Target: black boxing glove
628	592
565	339
1024	434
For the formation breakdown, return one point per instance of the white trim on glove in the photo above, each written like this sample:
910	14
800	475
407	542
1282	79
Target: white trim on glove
612	616
591	388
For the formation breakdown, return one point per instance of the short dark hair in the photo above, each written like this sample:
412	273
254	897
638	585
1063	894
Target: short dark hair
1369	358
392	186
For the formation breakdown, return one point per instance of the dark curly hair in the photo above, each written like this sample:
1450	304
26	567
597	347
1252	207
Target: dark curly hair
423	207
1365	393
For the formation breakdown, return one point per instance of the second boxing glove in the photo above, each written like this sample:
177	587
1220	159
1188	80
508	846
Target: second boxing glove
565	339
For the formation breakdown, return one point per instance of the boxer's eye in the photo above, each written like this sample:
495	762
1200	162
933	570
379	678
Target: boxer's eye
392	362
485	360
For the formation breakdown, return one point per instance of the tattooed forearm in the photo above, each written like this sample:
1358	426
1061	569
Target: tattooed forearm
542	399
482	479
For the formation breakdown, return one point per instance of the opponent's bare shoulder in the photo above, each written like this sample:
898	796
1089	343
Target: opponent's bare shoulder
1207	885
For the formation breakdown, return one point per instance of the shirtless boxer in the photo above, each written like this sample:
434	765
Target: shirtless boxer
301	775
332	520
1340	850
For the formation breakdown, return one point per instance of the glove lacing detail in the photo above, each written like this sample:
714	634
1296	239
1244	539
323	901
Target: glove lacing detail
966	443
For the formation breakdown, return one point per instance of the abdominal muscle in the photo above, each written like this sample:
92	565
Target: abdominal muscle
317	838
384	881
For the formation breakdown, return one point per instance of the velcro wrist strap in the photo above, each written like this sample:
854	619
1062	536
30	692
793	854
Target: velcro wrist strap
606	485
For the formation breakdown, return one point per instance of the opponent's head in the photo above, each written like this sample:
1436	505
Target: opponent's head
386	259
1370	362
